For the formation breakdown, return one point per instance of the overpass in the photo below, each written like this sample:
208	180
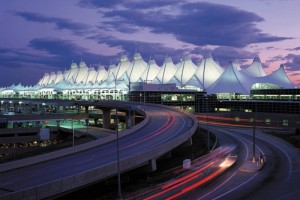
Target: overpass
163	129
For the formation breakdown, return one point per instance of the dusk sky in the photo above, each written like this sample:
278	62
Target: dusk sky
42	36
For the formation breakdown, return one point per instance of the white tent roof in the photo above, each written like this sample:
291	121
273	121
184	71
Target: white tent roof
185	71
82	73
151	71
110	75
52	78
135	71
101	74
236	64
91	76
208	71
66	74
59	77
45	79
72	72
255	69
167	71
231	82
280	78
122	67
208	76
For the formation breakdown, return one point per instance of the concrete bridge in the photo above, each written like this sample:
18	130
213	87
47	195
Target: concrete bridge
163	129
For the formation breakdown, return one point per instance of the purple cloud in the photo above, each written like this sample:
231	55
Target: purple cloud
75	27
293	62
66	51
127	3
147	49
203	24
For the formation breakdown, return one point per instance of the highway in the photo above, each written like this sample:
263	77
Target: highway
164	126
278	179
208	178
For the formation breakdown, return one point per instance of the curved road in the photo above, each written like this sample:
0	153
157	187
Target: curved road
164	126
278	179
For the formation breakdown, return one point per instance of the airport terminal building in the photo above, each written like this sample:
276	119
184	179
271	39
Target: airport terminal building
184	84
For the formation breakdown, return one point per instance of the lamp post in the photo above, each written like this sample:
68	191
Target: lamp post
118	157
87	127
73	133
208	143
145	82
254	130
115	87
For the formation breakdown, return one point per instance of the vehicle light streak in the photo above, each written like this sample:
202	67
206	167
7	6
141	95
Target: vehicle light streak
222	118
200	161
193	186
187	176
170	121
167	125
214	162
236	125
175	184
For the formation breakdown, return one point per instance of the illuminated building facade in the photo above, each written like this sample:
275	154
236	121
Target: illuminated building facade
83	82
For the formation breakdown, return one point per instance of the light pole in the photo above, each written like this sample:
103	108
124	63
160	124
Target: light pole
87	127
145	82
254	130
115	87
73	133
118	157
208	143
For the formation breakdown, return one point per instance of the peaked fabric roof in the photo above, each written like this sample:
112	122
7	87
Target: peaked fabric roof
236	81
230	82
280	78
167	71
255	69
207	75
122	67
208	71
137	68
185	71
151	72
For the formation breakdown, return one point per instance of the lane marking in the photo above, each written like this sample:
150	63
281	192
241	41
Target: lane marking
235	187
6	183
289	159
241	140
218	186
84	161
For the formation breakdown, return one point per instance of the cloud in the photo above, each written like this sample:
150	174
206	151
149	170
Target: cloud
195	23
17	58
149	49
131	4
66	51
75	27
292	62
226	54
279	58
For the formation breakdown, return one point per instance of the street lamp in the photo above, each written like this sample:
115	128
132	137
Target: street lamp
254	130
73	133
145	82
208	144
118	157
87	127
